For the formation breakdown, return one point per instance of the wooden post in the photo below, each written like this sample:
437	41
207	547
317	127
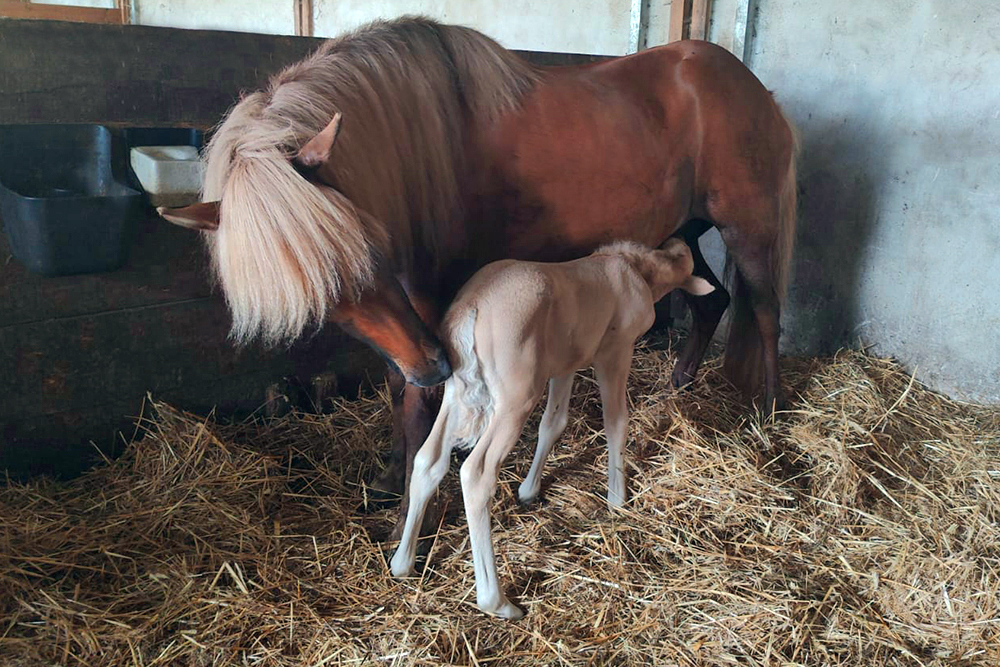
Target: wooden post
637	26
701	10
678	14
20	9
125	6
689	19
743	29
303	18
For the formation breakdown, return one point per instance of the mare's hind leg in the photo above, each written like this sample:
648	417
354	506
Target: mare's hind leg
553	423
706	311
752	256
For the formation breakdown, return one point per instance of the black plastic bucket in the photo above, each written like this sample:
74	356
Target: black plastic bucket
62	207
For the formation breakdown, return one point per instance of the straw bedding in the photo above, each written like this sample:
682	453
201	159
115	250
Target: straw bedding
860	528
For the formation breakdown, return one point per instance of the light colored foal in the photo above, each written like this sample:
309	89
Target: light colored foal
513	327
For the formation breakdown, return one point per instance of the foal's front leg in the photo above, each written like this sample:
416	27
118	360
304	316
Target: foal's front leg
612	377
553	424
429	467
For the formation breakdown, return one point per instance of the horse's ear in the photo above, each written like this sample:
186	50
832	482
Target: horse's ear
203	217
317	150
698	286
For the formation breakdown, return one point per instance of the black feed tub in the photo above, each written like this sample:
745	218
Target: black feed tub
63	209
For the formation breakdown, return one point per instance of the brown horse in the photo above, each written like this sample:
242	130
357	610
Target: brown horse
447	151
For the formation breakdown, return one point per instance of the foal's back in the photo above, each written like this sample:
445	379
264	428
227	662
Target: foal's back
552	318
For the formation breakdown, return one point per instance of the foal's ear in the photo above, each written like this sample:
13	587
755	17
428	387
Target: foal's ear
698	286
203	217
317	150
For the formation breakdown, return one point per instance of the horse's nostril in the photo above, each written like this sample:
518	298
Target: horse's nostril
440	373
444	367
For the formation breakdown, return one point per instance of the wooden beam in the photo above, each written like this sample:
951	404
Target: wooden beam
678	15
637	26
303	18
125	6
701	10
746	11
19	9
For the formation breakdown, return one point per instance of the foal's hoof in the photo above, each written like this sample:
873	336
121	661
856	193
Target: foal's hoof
527	497
616	500
401	565
505	609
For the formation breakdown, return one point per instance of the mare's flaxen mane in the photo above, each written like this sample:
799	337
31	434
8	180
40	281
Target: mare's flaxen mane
287	249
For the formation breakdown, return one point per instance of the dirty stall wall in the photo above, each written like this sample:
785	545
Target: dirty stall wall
899	240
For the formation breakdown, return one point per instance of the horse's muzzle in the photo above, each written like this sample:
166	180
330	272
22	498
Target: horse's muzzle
438	374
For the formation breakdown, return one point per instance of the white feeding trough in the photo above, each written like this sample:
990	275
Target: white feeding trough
170	175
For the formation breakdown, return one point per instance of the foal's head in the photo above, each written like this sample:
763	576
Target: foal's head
664	269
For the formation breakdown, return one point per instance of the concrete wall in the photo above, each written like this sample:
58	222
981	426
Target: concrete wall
565	26
899	245
270	17
897	104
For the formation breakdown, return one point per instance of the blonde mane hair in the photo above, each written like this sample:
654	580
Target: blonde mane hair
646	261
288	249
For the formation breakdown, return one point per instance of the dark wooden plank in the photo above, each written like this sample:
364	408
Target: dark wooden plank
78	354
58	72
166	264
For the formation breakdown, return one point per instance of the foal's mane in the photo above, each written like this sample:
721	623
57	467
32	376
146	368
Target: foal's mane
288	249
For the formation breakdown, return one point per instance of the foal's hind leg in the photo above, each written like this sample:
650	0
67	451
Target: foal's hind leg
706	311
479	480
429	467
553	424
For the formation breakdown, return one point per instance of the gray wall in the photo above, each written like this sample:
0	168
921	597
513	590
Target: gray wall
898	105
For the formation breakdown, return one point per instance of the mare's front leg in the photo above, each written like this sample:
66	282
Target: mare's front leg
611	371
391	483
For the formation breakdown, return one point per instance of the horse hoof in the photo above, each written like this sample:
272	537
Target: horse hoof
505	609
324	389
401	566
278	399
526	497
681	378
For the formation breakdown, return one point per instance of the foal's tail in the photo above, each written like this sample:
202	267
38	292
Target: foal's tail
744	362
467	374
